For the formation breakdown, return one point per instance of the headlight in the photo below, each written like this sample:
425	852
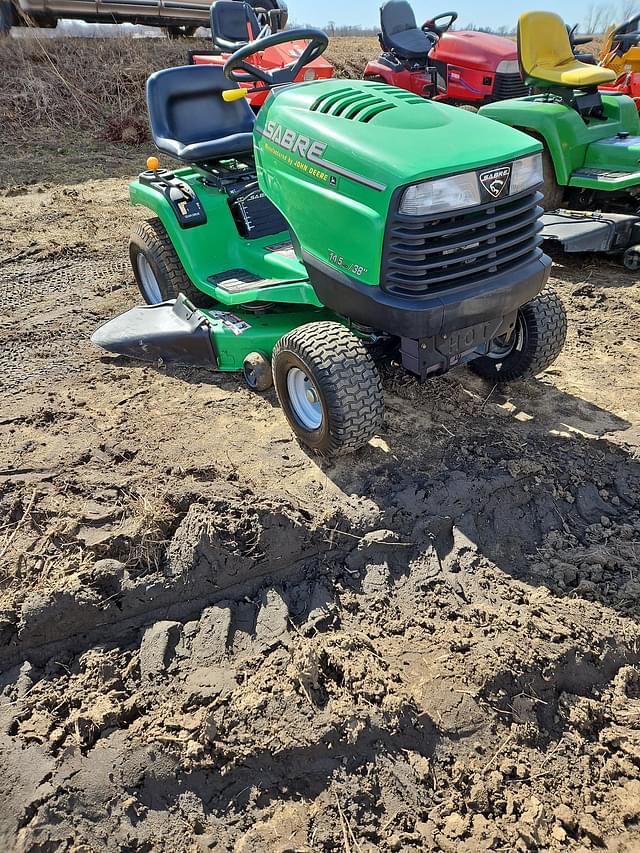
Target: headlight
309	75
526	173
463	191
443	194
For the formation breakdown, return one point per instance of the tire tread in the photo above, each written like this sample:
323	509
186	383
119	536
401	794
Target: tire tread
152	235
350	381
546	321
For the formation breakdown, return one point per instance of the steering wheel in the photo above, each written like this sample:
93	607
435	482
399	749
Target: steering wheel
575	39
238	69
431	25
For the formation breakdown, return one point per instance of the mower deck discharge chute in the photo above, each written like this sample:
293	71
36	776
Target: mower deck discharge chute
234	24
463	68
348	222
591	141
171	332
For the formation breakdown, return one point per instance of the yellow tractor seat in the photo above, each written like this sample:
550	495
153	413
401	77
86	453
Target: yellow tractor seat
546	57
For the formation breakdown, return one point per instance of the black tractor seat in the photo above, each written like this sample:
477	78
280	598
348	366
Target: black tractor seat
233	24
190	121
400	32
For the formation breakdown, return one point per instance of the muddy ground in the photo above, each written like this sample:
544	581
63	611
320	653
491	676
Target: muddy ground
211	640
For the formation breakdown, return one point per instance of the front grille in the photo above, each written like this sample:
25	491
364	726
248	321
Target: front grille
509	86
425	254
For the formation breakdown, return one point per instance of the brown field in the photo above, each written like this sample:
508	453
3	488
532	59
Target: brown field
211	640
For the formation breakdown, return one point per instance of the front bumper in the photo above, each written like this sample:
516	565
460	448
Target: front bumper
431	315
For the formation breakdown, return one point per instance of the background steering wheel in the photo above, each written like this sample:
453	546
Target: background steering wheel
238	69
432	24
575	39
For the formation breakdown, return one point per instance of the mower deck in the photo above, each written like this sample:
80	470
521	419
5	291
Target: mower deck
603	179
175	332
582	231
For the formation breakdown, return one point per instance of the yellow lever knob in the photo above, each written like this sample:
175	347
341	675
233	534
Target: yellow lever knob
230	95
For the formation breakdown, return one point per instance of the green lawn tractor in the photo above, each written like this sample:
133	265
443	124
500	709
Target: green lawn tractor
591	142
350	221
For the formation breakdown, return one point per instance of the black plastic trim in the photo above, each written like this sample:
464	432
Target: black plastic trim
440	312
508	85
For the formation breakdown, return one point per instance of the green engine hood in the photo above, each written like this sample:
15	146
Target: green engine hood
330	155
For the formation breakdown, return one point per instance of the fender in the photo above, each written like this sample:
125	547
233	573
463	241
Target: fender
563	131
378	69
203	258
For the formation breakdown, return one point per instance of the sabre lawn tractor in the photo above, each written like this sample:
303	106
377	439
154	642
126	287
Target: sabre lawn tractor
348	221
591	142
462	68
234	24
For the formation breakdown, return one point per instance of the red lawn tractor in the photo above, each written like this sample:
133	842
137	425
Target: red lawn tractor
462	68
235	24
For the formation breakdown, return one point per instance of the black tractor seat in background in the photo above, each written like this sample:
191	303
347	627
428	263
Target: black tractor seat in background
190	121
401	34
233	24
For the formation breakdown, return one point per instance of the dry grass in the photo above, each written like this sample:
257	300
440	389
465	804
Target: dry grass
98	85
46	551
81	84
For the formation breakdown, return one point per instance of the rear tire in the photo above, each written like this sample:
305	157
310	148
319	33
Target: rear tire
328	387
536	342
159	273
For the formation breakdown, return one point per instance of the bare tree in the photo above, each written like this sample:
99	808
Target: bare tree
628	9
599	17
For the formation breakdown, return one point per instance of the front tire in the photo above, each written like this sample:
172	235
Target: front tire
536	341
328	387
553	192
157	268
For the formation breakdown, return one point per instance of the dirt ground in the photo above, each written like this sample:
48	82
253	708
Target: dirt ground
211	640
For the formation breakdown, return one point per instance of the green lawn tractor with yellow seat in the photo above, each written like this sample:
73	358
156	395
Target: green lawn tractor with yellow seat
348	221
591	142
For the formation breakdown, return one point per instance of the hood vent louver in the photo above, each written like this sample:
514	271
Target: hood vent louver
353	104
363	105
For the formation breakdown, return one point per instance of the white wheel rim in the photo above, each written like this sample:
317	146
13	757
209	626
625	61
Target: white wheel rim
304	399
148	280
514	344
